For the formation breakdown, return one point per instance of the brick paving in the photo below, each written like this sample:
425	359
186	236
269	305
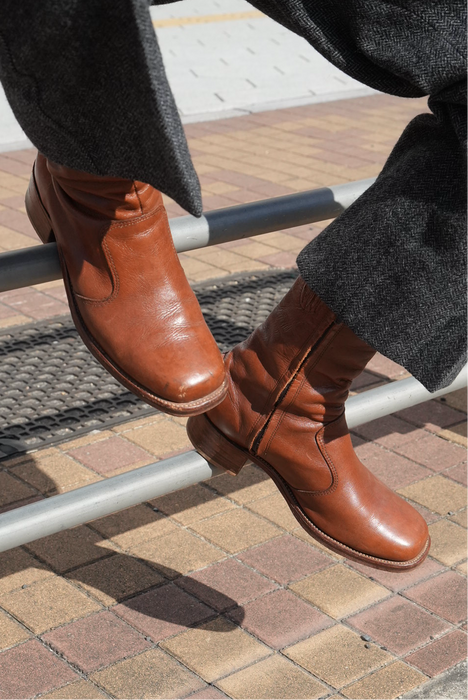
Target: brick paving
214	591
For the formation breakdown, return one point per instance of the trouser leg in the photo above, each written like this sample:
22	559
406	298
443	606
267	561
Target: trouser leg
87	84
393	265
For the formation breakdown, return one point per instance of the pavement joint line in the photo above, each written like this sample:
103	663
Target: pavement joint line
207	19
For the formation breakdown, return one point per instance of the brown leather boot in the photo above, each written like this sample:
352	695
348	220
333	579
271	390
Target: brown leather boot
128	294
285	412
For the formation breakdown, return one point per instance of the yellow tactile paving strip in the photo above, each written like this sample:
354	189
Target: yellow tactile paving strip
207	19
214	591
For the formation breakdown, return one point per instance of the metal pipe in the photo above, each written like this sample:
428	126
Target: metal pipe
66	510
389	398
87	503
245	220
22	268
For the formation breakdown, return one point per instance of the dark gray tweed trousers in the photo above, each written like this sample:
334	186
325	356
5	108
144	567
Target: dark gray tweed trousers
86	82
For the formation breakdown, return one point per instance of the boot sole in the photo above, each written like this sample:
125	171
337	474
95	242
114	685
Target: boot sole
42	224
220	451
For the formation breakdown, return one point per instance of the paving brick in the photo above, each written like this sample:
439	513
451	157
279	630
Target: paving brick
303	535
432	415
390	682
280	619
283	241
5	311
460	518
385	367
255	250
53	472
226	585
130	527
364	381
96	641
110	455
458	473
11	633
15	167
275	509
398	625
438	656
444	595
399	580
82	690
15	320
448	542
138	423
192	504
456	399
47	604
160	438
274	677
282	260
30	669
250	485
163	612
432	452
13	490
236	530
338	591
115	578
463	568
394	470
93	436
178	553
285	559
69	548
215	649
208	693
389	431
150	674
18	568
351	659
456	433
437	493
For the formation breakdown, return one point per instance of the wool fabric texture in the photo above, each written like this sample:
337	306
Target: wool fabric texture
86	82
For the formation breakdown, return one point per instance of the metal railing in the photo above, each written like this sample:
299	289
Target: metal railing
40	264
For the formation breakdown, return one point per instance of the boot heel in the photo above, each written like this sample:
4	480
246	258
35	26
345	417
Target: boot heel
214	447
37	214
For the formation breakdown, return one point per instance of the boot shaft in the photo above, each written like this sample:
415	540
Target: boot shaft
100	197
300	360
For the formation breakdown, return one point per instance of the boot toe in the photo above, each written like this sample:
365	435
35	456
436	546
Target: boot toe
407	539
195	385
